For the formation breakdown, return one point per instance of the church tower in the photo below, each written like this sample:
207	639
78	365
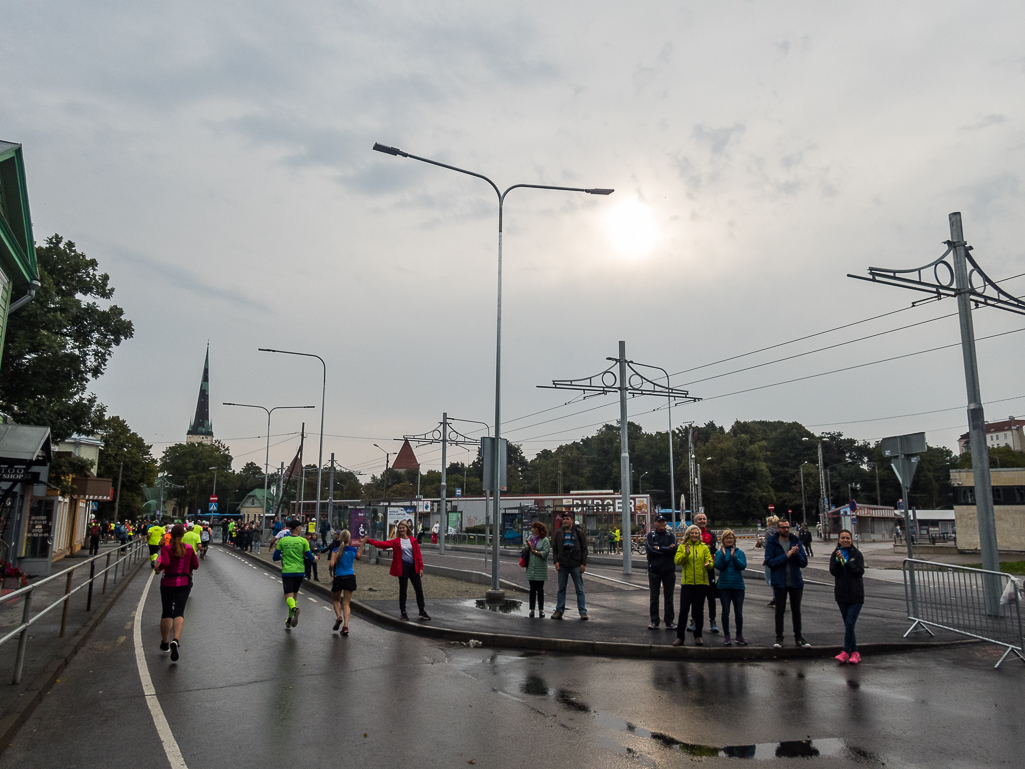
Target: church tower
202	430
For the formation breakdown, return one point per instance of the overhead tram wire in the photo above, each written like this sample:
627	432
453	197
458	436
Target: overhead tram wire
827	331
915	414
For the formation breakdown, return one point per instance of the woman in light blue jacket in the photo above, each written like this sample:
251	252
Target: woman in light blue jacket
730	562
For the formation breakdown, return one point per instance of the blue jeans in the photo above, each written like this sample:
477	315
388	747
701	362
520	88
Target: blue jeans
736	597
849	612
578	584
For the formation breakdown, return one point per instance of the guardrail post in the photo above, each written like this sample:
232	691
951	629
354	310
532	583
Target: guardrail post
67	601
19	660
106	571
92	571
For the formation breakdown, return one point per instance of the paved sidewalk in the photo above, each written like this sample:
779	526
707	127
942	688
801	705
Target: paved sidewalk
45	645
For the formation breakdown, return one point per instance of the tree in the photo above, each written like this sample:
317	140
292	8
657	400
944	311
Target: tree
124	448
59	342
188	464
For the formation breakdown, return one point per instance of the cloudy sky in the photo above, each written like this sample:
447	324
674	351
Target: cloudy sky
216	159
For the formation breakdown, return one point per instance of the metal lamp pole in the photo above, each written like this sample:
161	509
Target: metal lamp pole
384	486
495	592
323	396
672	469
266	458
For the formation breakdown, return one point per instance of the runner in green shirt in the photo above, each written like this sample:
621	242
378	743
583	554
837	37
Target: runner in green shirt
293	551
192	537
154	538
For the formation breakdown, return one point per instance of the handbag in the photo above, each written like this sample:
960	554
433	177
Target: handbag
525	556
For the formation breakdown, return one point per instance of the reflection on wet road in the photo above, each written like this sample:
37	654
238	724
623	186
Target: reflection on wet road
246	691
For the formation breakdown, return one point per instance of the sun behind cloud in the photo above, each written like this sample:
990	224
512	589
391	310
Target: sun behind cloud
631	228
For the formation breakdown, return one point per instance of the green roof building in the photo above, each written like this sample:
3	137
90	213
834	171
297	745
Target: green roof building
19	275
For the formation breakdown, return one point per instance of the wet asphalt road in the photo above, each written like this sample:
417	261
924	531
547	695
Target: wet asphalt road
248	693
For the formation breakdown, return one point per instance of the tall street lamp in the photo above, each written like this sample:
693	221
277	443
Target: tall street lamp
495	592
266	457
804	501
323	395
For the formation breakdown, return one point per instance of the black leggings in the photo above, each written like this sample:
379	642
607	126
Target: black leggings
172	601
410	575
692	602
537	590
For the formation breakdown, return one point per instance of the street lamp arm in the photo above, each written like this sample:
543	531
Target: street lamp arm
399	153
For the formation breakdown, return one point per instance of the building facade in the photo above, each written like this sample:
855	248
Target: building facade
19	274
1008	506
1010	432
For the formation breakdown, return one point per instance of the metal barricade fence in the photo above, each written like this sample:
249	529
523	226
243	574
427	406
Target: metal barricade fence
126	556
965	601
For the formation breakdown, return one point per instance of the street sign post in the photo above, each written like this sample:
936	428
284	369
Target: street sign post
213	503
903	448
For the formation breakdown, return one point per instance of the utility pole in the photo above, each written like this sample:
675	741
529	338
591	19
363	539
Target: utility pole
823	498
691	460
616	379
444	434
942	278
700	502
879	494
804	503
331	492
117	501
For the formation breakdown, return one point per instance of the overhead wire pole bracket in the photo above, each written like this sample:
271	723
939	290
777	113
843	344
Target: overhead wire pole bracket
623	377
445	435
956	274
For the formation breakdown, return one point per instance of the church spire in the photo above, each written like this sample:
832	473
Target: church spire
201	430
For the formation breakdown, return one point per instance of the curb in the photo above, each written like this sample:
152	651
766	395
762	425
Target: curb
609	648
16	716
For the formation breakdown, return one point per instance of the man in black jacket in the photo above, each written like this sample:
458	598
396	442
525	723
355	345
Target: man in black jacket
569	547
660	546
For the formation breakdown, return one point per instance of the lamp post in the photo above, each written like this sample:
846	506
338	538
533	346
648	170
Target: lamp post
495	592
214	492
804	501
323	395
266	457
384	486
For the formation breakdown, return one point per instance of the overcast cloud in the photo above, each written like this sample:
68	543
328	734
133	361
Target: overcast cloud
216	159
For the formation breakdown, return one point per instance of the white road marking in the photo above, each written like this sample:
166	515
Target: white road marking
174	754
311	599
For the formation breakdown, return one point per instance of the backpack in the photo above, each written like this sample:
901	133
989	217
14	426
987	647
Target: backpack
95	530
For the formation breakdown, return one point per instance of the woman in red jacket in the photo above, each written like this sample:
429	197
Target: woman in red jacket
407	564
177	560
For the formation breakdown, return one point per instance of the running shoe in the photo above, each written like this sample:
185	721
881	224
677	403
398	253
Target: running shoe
338	624
670	626
583	616
541	614
779	643
855	658
726	640
712	627
404	617
842	658
801	642
690	628
424	614
345	630
174	651
295	617
653	626
741	641
165	647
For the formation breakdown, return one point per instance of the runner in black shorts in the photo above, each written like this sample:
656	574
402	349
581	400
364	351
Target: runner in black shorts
177	560
344	582
293	551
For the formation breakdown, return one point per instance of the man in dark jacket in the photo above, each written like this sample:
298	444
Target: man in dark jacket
569	547
660	546
805	536
785	557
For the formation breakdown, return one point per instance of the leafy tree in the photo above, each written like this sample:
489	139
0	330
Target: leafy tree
122	447
188	464
1003	456
64	467
60	341
248	478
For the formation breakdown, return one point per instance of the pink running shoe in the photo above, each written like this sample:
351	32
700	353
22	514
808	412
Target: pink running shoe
842	657
855	658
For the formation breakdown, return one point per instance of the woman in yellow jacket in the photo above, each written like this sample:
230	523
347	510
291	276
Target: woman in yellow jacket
695	559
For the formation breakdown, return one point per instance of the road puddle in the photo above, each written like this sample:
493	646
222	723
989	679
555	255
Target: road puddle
825	748
508	606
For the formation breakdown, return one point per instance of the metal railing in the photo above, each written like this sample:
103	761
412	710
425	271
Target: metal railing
965	601
126	556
